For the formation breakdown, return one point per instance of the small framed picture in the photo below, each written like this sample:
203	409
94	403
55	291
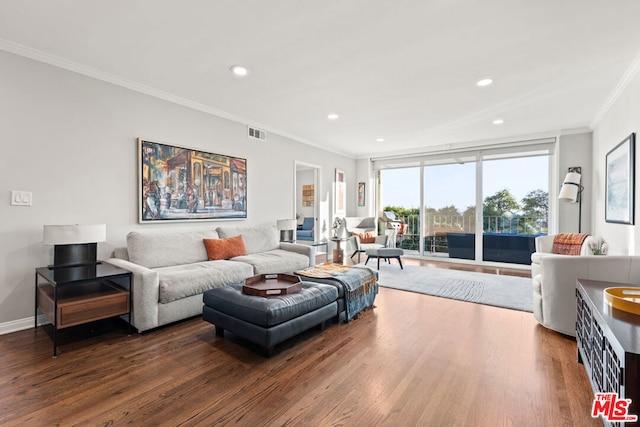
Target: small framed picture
340	195
361	190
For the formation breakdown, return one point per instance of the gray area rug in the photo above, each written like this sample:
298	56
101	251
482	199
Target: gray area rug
501	291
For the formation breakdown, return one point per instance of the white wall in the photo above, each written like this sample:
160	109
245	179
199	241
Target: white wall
621	119
574	150
71	141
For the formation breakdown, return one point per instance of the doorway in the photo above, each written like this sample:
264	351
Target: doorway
307	201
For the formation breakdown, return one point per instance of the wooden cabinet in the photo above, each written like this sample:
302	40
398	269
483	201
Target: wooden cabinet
82	304
608	344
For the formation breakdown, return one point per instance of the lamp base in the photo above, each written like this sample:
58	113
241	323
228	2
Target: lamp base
287	236
75	255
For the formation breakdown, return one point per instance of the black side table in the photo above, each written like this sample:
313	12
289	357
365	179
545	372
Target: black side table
71	296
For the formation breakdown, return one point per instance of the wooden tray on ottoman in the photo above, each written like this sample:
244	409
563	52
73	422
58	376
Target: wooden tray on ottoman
267	285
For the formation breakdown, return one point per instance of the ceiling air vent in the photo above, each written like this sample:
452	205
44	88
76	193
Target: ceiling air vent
258	134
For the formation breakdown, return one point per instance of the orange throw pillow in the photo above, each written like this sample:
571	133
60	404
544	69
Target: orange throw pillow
225	248
368	237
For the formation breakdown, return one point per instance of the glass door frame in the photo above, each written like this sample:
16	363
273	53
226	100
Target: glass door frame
546	148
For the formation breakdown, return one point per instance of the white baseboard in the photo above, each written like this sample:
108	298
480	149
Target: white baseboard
21	324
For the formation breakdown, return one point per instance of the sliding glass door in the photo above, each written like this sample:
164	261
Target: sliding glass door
477	205
515	208
449	209
400	196
518	204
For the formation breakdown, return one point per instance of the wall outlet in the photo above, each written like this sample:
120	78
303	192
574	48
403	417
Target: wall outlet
21	198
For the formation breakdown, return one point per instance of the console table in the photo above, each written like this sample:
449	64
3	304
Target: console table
608	344
70	296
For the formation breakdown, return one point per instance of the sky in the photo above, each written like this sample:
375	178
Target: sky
455	184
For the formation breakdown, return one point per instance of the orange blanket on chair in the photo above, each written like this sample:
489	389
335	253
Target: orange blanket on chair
568	243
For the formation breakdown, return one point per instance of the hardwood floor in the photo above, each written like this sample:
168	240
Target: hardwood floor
412	360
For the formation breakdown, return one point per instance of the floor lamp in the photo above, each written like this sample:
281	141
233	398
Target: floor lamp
571	191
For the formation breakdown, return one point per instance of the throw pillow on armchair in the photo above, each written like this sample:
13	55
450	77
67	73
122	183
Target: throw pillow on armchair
568	243
366	237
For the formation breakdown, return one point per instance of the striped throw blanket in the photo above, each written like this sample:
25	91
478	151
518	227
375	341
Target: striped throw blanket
568	243
360	284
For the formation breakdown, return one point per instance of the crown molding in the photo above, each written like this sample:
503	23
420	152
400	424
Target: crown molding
549	136
627	77
56	61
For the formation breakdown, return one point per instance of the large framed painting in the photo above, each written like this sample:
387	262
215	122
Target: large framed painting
183	184
620	182
340	196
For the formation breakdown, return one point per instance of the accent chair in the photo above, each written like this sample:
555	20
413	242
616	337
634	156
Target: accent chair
554	279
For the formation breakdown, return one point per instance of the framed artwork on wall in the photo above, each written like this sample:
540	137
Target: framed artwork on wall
183	184
361	189
308	195
620	182
340	196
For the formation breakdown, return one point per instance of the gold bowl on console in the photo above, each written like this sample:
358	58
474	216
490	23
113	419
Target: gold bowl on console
623	298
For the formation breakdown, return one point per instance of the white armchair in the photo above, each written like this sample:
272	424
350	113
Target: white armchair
554	280
544	247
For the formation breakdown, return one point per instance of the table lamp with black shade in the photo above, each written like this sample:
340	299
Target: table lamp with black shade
74	245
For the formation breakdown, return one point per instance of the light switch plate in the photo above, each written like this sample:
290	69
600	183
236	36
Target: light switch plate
21	198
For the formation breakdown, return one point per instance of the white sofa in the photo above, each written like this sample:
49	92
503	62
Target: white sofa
554	279
171	270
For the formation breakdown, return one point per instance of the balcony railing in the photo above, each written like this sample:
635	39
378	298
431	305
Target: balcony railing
437	227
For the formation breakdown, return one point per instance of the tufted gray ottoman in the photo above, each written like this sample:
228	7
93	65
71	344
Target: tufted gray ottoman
271	320
386	254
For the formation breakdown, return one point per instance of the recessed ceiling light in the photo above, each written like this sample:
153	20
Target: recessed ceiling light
332	116
498	122
239	70
380	140
484	82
